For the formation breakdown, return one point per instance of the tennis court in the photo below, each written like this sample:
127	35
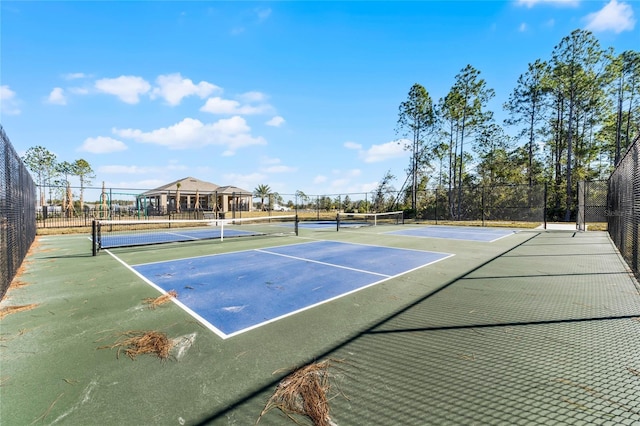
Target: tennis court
235	292
130	233
530	327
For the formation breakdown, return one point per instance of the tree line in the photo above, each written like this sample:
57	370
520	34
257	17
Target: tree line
51	173
569	118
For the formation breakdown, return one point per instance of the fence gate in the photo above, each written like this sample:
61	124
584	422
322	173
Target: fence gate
592	203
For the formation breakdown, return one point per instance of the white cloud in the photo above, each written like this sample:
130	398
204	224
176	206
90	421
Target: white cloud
320	179
8	101
124	170
353	145
531	3
339	184
140	170
57	96
126	87
247	182
74	76
368	187
173	88
232	133
102	145
279	169
263	14
614	16
78	90
270	160
276	121
523	27
349	173
274	165
252	97
218	105
378	153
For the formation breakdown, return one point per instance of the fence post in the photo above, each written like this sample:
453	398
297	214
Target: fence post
436	208
482	205
544	209
635	191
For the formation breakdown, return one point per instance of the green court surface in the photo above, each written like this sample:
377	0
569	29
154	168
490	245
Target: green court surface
536	328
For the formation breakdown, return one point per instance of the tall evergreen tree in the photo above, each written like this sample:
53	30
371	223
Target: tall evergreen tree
416	119
527	106
574	65
624	90
83	170
473	95
450	132
42	162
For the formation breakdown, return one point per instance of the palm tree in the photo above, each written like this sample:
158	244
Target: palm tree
263	192
178	185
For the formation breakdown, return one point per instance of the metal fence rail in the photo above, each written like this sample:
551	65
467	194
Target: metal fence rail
17	214
623	206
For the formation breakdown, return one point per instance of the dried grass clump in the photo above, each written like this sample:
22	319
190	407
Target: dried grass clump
305	392
15	284
8	310
136	343
154	302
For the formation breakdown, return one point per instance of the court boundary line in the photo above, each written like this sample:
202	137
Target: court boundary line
513	232
320	263
224	335
285	245
314	305
366	244
175	300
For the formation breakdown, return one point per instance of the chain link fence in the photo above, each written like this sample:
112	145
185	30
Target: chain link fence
623	206
592	203
17	213
478	203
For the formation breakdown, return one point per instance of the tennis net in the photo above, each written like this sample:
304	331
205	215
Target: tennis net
355	220
127	233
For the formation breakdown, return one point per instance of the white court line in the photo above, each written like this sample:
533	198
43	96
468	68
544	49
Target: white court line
297	311
322	263
394	233
173	299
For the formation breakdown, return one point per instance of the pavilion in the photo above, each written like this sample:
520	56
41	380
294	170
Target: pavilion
191	194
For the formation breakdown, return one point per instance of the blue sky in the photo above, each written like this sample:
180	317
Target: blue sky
297	95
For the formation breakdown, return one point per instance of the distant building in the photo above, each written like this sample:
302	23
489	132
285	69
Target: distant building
194	194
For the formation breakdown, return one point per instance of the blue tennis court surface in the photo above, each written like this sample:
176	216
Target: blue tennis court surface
456	233
168	236
235	292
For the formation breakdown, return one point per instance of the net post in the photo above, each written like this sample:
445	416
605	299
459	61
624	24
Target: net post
296	224
337	222
94	236
222	230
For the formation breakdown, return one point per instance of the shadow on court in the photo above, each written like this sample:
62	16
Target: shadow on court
506	357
